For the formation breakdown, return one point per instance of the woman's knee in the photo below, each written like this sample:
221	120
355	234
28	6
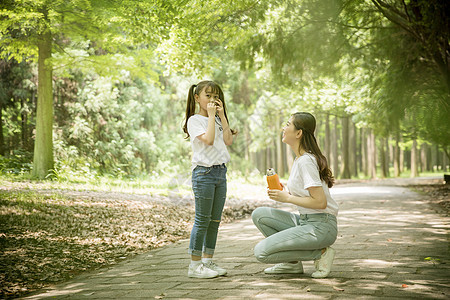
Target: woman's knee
258	213
260	252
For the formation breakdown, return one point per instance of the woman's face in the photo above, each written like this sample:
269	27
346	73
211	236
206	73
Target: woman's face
290	134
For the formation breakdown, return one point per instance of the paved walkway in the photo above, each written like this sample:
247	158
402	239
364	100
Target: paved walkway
391	245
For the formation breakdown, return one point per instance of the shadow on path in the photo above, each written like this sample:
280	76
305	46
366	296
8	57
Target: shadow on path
391	245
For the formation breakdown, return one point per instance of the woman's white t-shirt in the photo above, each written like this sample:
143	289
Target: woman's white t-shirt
305	174
202	154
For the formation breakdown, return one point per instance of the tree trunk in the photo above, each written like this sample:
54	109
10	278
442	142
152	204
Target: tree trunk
445	159
402	159
388	157
439	165
246	142
43	147
353	158
279	148
345	173
334	148
2	138
414	167
423	166
383	158
397	155
261	161
364	151
372	155
327	139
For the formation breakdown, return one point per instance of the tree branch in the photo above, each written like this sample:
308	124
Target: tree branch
395	19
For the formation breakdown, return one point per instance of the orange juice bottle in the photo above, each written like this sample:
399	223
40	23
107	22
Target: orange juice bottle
272	180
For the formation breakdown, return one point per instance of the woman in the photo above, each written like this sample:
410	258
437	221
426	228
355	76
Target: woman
293	238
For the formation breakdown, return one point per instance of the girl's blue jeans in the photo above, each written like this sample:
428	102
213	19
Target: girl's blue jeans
210	190
292	237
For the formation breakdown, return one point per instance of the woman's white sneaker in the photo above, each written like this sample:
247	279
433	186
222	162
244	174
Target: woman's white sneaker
201	271
323	264
211	265
285	268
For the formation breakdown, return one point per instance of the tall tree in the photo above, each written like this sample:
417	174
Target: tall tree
35	30
345	170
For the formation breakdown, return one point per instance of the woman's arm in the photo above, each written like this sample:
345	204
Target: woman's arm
316	200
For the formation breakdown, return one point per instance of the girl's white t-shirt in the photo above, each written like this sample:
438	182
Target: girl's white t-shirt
202	154
305	174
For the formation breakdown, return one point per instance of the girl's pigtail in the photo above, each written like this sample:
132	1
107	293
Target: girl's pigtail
190	108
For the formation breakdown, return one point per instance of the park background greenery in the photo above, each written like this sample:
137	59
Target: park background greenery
93	96
113	79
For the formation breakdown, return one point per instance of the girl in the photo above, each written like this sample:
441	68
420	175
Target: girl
292	238
210	135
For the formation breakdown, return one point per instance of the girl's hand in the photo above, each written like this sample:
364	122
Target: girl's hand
211	109
219	106
277	195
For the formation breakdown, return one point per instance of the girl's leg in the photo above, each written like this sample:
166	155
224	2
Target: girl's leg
204	190
220	195
209	244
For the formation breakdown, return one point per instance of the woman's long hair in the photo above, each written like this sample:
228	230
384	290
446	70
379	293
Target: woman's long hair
307	123
196	89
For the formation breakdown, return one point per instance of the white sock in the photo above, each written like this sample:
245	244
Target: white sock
195	263
206	260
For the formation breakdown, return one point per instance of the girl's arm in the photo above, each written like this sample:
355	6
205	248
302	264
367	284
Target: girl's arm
209	135
227	135
316	200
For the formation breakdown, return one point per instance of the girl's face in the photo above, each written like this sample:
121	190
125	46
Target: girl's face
291	135
206	96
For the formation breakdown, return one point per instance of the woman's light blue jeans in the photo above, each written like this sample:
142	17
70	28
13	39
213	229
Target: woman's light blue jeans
292	237
210	190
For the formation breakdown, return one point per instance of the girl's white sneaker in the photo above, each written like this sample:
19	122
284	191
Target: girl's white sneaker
211	265
323	264
201	271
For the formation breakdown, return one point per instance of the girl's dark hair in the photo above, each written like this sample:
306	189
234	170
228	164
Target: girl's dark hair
196	89
307	123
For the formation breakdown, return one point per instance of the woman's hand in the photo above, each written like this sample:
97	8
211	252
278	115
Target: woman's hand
277	195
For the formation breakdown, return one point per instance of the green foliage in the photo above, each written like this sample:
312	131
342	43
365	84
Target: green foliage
16	164
119	97
112	127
